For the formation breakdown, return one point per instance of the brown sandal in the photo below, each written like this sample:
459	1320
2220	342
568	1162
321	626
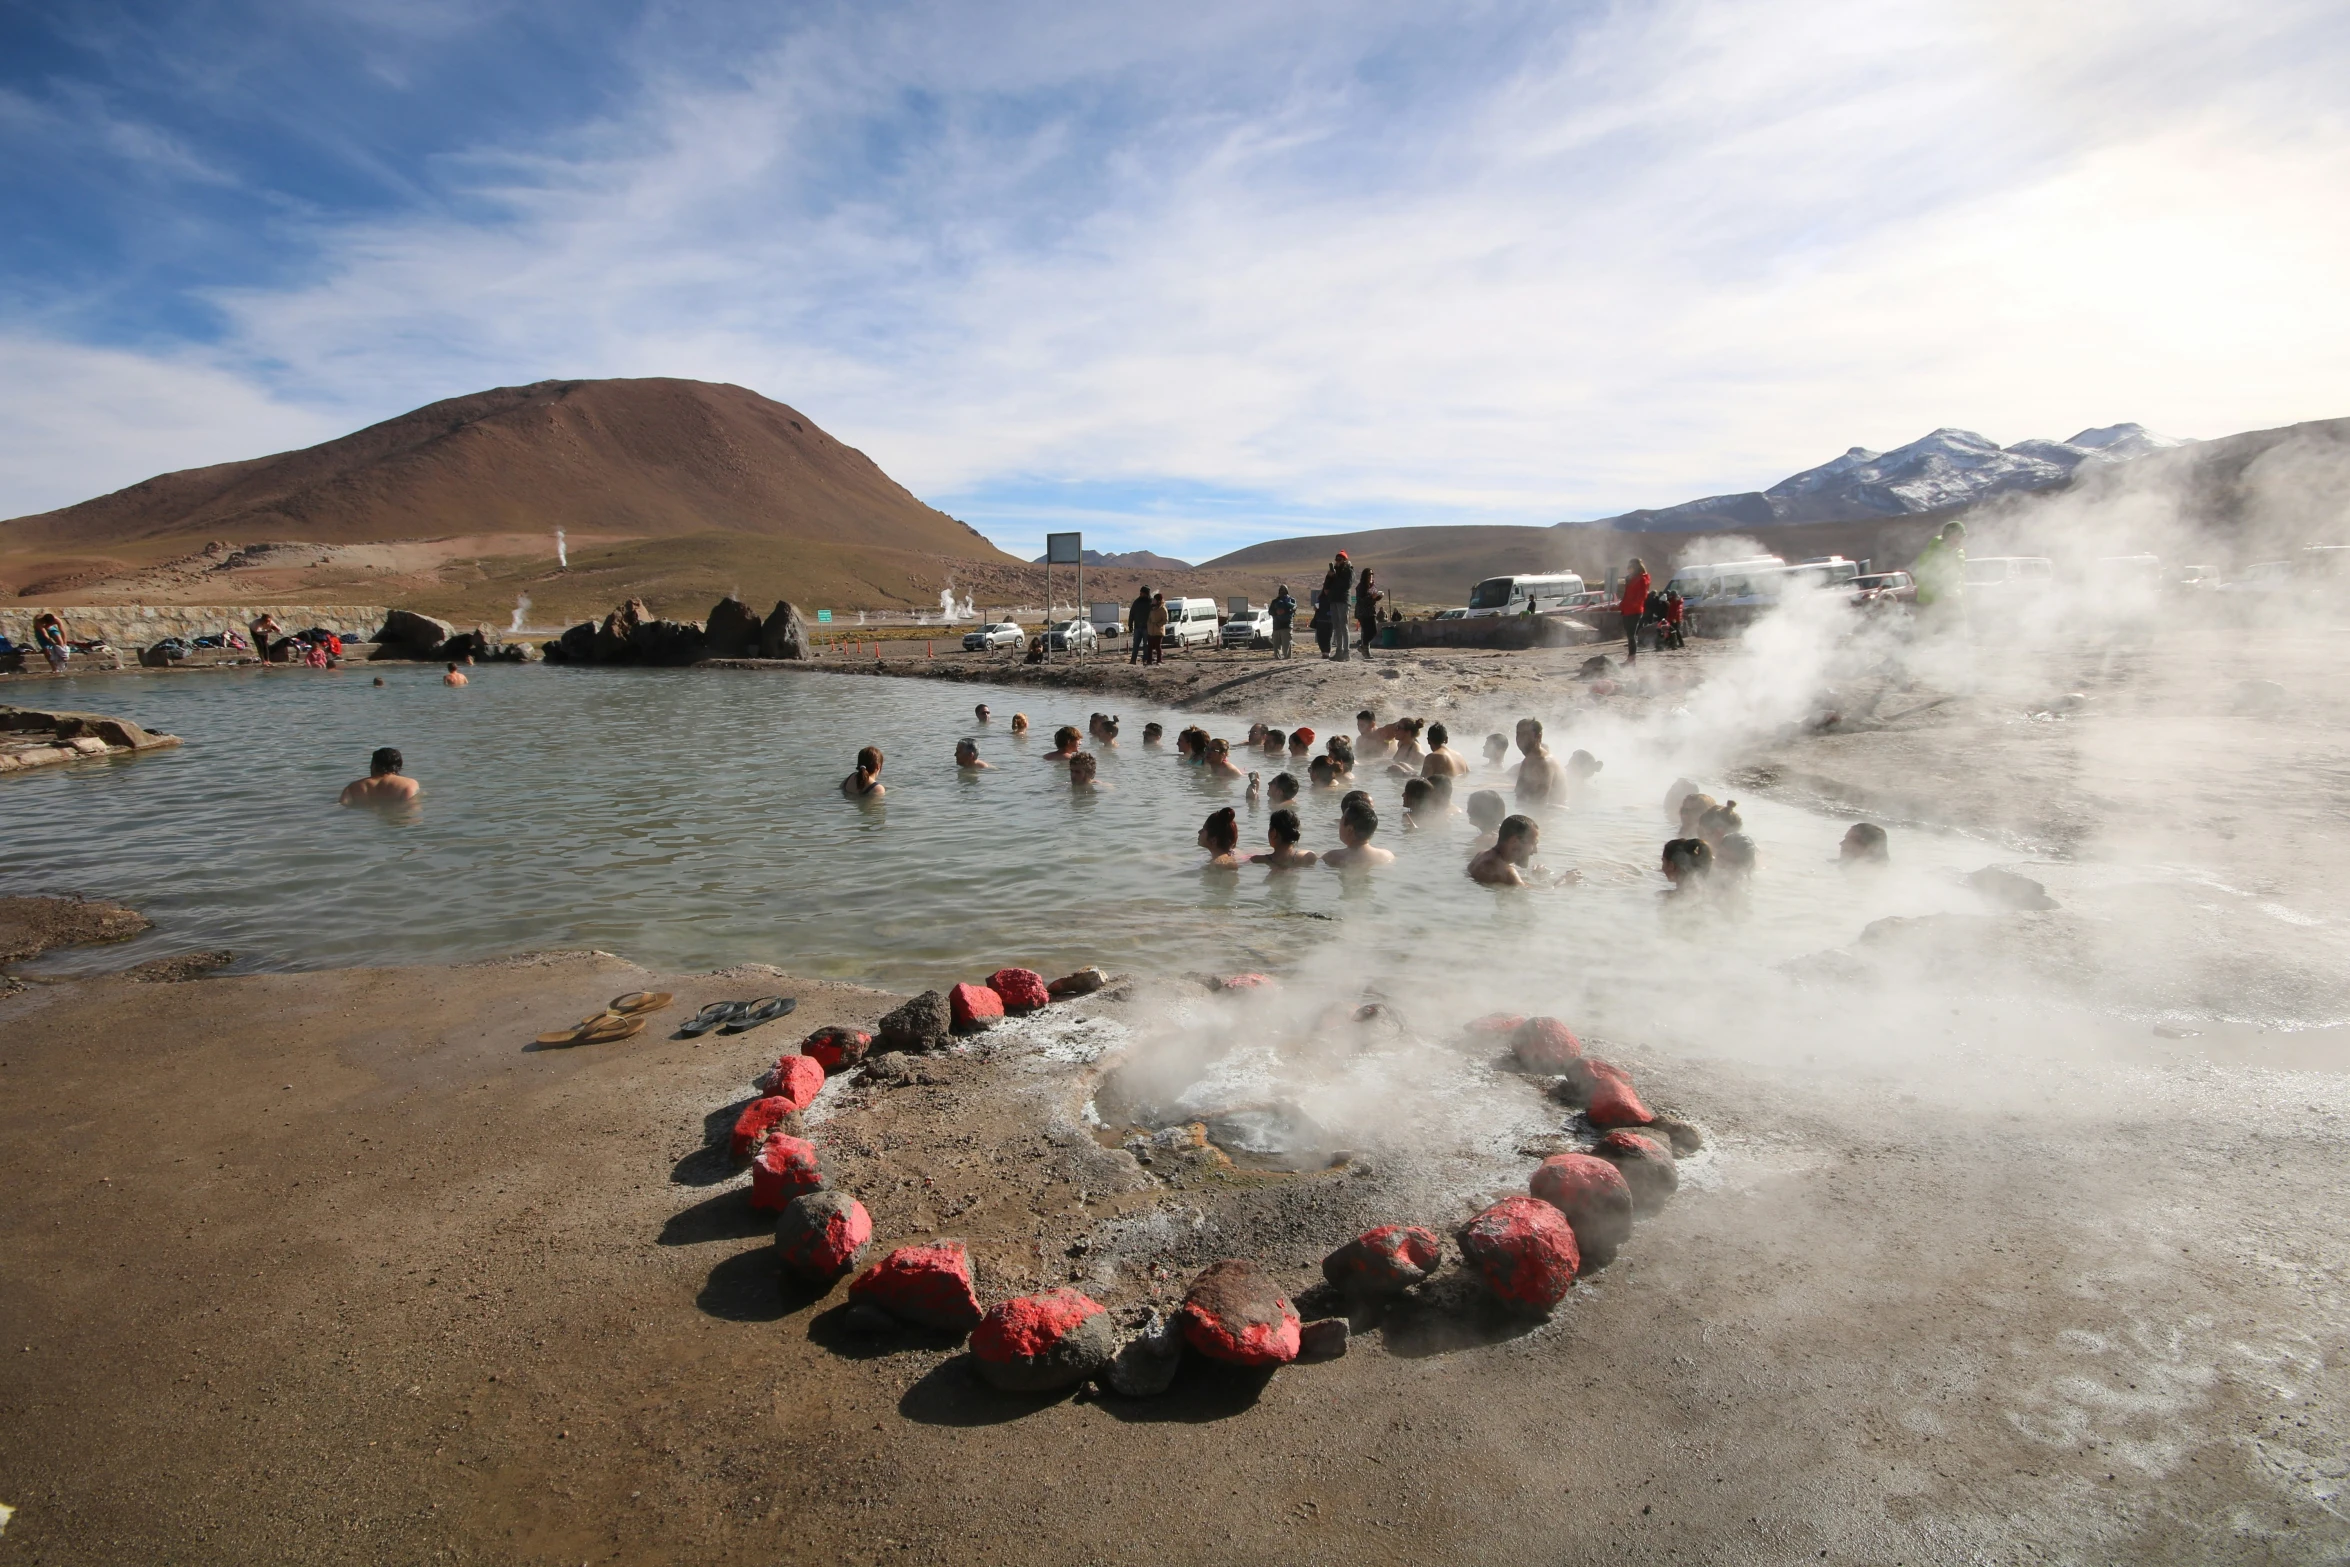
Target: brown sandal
640	1001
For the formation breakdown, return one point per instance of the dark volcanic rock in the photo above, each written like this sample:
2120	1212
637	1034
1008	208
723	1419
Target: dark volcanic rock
668	642
1322	1340
732	630
406	634
1145	1366
1384	1261
921	1024
836	1048
785	634
464	645
1041	1343
1235	1312
576	646
822	1235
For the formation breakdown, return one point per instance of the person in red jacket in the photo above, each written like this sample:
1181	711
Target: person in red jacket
1634	607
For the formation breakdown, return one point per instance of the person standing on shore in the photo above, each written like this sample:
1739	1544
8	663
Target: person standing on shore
1338	585
265	629
1940	575
1154	622
1283	609
49	637
1137	613
1634	606
1367	597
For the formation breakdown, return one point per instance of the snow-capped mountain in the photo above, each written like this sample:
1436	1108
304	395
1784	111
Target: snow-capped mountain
1946	469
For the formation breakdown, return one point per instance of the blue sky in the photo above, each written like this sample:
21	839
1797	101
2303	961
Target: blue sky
1185	278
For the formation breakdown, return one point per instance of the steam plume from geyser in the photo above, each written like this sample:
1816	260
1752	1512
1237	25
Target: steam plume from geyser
562	555
521	609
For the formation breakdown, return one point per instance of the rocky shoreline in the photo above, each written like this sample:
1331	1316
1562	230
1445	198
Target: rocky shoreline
32	737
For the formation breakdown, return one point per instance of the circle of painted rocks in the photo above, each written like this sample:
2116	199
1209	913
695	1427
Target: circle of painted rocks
822	1234
1647	1165
1020	989
1593	1196
1042	1343
1234	1312
1606	1094
929	1286
835	1048
1385	1261
1544	1044
919	1024
1526	1251
760	1119
783	1168
973	1006
796	1078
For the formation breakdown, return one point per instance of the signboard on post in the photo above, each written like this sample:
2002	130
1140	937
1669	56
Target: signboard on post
1062	549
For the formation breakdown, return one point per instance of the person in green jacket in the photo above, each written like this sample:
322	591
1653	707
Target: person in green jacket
1940	569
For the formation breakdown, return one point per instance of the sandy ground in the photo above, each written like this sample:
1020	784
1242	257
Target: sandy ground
333	1267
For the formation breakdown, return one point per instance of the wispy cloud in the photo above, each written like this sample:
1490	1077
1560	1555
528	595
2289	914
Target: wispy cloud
1288	266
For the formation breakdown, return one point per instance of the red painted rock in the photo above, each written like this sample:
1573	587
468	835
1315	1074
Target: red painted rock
974	1006
929	1286
1497	1023
1387	1260
1647	1166
1041	1343
783	1168
1607	1094
1020	989
1234	1312
1594	1197
1544	1044
1245	982
1082	983
836	1049
793	1077
822	1234
758	1121
1526	1251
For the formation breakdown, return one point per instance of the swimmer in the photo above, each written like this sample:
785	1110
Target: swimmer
1065	741
1220	836
379	680
1153	735
1715	825
1322	772
1693	809
1370	739
1256	736
1357	821
455	676
1538	774
1219	760
967	757
1687	863
1582	767
1019	723
1283	789
1443	760
1486	810
1734	859
1082	769
1342	751
1282	832
1504	865
1440	788
1103	727
1864	844
980	712
1301	744
384	784
865	782
1404	735
1275	742
1417	795
1681	790
1497	750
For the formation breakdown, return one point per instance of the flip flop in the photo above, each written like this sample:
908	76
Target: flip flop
640	1001
603	1028
712	1016
765	1010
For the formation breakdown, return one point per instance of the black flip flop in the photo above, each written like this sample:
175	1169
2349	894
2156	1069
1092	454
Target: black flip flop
711	1016
765	1010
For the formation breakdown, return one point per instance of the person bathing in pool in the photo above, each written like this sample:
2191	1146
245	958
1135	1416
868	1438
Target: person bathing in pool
1220	760
1357	821
865	782
1082	768
980	712
1510	862
1282	832
967	757
1282	790
1065	741
384	784
1220	836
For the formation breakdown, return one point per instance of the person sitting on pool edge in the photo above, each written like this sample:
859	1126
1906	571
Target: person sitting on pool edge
1358	819
865	782
1282	832
967	757
1065	741
384	784
1220	836
1082	768
1864	844
1505	864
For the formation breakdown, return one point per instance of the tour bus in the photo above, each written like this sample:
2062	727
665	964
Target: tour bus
1544	594
1724	595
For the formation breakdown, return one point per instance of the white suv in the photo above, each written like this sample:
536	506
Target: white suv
995	634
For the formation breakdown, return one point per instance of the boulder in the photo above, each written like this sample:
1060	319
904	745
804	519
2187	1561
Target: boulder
1234	1312
973	1006
732	631
1145	1365
1324	1339
1592	1195
1544	1044
822	1235
1042	1343
784	635
619	630
793	1078
2009	890
1647	1166
1082	983
1384	1261
669	642
1603	1091
835	1048
759	1119
406	634
576	646
1525	1250
463	645
921	1024
783	1168
929	1286
1685	1138
1020	989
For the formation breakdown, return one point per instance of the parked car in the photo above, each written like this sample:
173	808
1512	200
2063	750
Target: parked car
993	635
1452	614
1544	593
1190	622
1883	588
1251	628
1073	636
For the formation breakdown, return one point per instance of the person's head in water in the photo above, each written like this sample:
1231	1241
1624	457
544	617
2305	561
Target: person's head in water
1152	734
869	759
1220	833
1496	747
1440	791
1583	765
1342	751
1282	829
1734	856
379	680
1718	823
1301	742
1082	768
1693	809
1486	809
1275	742
1417	793
1282	789
1358	819
1438	737
1323	771
1687	861
1529	735
1019	723
1366	722
1516	839
966	753
1864	844
385	762
980	712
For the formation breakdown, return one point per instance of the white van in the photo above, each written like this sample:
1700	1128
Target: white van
2026	572
1191	622
1543	594
1723	580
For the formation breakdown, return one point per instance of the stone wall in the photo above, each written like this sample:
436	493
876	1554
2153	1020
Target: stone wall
134	626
